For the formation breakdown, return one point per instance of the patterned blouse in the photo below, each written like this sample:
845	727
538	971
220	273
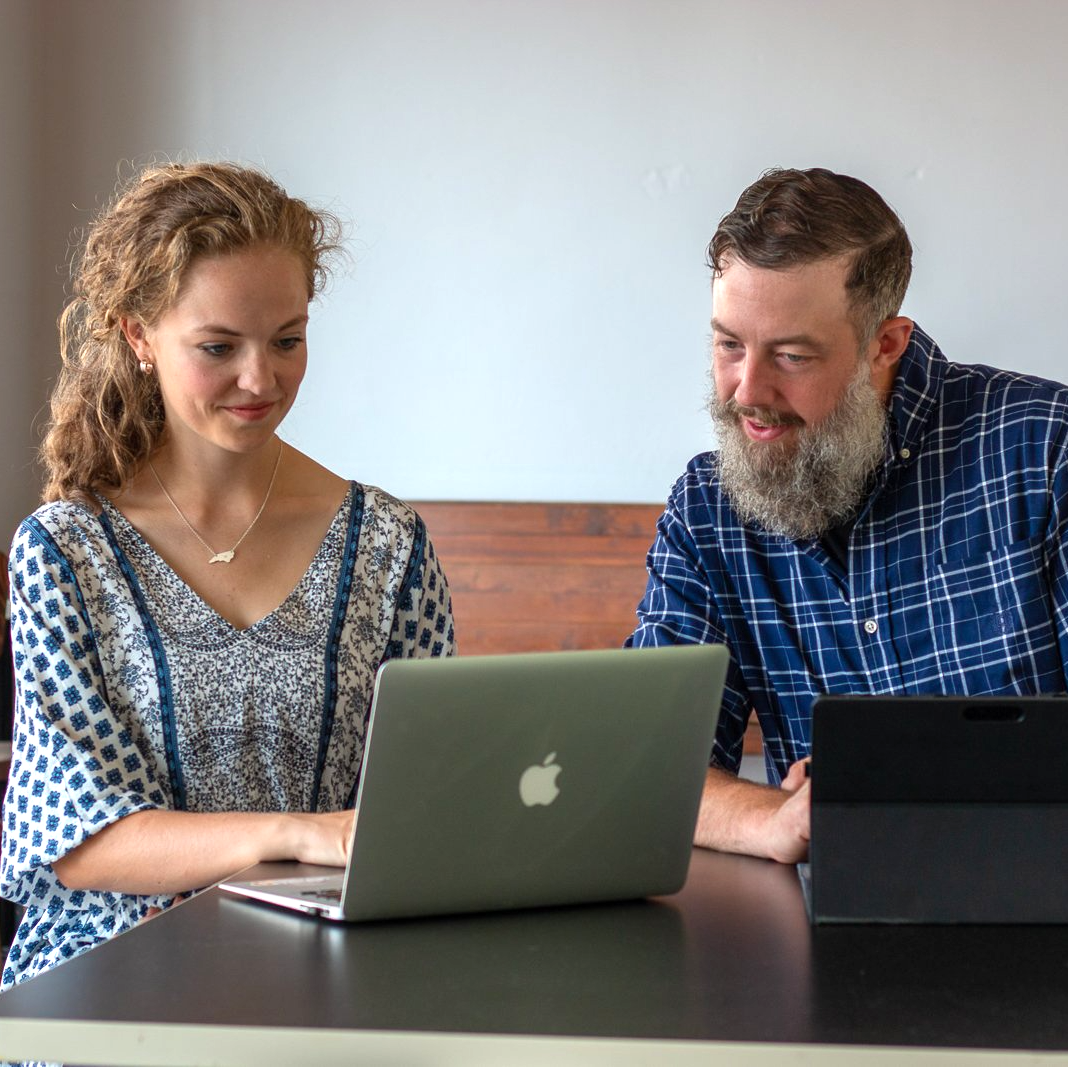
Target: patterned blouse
133	694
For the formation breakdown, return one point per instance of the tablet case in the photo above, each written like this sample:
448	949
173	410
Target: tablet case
939	810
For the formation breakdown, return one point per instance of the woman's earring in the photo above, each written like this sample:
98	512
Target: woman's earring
146	367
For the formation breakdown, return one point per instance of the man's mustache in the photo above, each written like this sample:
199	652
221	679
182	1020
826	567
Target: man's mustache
763	416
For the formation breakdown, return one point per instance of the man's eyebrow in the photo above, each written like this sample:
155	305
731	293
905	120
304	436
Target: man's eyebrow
804	340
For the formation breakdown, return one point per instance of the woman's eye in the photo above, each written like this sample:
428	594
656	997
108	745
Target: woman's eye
219	348
288	343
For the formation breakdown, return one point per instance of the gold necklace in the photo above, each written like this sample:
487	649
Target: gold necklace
228	555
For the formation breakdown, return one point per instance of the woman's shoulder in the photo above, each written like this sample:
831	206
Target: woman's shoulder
392	520
55	516
58	512
387	505
72	528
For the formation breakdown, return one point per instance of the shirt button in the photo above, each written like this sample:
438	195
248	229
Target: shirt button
905	453
870	626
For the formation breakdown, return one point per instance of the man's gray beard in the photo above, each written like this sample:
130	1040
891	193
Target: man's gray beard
803	488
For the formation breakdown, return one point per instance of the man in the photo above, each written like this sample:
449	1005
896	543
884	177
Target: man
876	520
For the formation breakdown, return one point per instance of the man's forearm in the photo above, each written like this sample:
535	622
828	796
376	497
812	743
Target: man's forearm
758	820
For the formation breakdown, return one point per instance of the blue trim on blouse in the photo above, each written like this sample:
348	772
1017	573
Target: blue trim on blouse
163	673
44	538
333	641
415	560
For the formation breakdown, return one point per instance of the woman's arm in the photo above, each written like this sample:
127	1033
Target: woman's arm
170	852
422	623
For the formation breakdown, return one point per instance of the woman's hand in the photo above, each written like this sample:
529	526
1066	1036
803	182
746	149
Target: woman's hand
324	839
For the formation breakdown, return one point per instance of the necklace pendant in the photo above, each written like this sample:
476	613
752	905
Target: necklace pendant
228	555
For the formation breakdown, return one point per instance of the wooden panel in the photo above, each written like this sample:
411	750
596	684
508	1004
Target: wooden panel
473	519
535	577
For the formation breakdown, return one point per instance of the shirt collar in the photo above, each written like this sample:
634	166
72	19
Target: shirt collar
917	386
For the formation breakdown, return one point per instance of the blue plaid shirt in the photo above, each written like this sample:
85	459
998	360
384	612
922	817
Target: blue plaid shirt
958	564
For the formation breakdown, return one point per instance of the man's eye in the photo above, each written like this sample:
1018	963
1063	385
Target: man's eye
288	343
794	359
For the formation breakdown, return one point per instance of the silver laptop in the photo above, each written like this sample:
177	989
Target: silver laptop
493	782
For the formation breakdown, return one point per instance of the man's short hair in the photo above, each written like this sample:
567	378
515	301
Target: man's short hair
788	218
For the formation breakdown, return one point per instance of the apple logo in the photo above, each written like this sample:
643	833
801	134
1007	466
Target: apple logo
538	783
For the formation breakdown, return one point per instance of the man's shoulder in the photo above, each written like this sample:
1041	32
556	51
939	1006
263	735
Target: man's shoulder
1002	406
699	482
697	499
1008	397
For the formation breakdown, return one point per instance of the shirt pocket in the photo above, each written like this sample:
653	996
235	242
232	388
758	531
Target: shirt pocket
992	618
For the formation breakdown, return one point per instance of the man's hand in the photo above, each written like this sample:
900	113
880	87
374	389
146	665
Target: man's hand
790	827
757	820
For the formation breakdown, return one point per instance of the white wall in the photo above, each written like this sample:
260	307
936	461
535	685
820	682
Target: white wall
531	186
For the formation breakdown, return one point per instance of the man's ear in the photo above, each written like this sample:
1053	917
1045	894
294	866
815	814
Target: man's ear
885	352
890	342
136	336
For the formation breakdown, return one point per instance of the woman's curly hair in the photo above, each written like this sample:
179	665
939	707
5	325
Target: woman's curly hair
106	416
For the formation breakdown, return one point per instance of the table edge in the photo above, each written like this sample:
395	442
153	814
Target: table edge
126	1044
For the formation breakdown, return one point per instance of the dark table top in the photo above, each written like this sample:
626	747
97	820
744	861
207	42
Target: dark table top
730	959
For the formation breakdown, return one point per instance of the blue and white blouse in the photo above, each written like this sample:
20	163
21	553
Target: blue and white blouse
133	694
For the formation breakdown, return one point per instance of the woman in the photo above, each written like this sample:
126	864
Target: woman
198	609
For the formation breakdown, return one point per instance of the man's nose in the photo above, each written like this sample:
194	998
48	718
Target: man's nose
755	386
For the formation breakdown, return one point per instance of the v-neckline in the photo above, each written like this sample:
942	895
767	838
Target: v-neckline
118	519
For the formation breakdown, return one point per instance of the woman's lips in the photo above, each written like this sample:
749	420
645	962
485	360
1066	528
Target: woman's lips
250	412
